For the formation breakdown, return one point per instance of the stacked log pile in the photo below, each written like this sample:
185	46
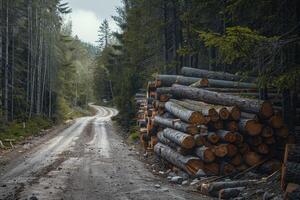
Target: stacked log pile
201	123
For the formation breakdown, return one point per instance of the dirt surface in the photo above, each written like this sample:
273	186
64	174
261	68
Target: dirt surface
87	160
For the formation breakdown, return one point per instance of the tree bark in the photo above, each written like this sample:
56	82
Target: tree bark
205	154
182	139
187	71
184	114
169	80
175	124
189	164
264	108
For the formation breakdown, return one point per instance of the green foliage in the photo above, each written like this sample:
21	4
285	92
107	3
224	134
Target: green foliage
16	131
237	44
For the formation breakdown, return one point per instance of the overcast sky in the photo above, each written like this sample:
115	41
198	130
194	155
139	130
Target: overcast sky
87	16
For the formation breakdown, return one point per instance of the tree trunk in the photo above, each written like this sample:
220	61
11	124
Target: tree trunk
205	154
174	146
264	108
175	124
204	109
250	126
186	71
189	164
227	136
252	158
184	114
213	138
182	139
169	80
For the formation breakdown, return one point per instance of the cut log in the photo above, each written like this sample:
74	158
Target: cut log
239	139
182	139
252	158
264	108
169	80
232	150
200	140
201	73
232	126
226	168
255	140
263	149
235	113
213	188
213	138
250	126
204	108
267	132
269	140
224	113
276	121
173	145
244	148
230	193
212	168
229	84
205	154
184	114
282	132
226	136
175	124
220	150
236	160
218	125
189	164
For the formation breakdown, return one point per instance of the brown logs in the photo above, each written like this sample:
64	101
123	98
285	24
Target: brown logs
190	164
185	114
201	73
175	124
182	139
205	154
264	108
226	136
250	126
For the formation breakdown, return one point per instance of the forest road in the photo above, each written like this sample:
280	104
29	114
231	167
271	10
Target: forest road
86	161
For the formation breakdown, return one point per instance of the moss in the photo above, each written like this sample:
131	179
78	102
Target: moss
18	131
134	136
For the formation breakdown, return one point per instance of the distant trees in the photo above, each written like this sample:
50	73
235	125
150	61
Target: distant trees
33	59
104	34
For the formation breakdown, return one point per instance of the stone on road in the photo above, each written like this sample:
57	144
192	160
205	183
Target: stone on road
87	160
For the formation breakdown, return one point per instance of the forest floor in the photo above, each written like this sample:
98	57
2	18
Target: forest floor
84	159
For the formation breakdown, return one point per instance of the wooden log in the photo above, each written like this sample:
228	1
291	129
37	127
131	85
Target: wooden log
244	148
236	160
184	114
230	193
232	150
254	140
263	149
226	136
173	145
235	112
239	138
267	132
282	132
205	154
201	140
232	126
250	126
201	73
230	84
224	113
189	164
226	168
213	138
276	121
212	168
175	124
169	80
269	140
263	108
218	125
204	108
182	139
252	158
220	150
213	188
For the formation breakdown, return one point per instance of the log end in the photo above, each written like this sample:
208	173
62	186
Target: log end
253	127
224	113
266	110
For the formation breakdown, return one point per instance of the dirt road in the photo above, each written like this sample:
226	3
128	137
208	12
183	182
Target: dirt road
87	160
